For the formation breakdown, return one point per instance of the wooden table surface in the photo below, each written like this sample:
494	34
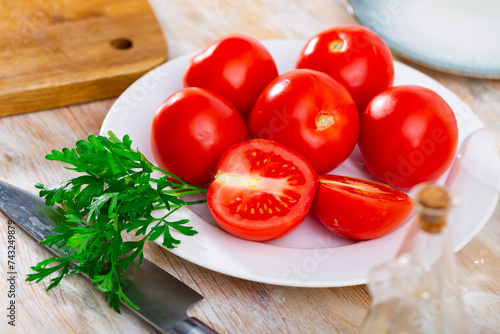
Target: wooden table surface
231	305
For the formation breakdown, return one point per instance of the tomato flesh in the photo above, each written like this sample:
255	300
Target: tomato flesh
262	190
359	209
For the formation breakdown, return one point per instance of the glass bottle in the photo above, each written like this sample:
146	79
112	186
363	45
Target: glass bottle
418	292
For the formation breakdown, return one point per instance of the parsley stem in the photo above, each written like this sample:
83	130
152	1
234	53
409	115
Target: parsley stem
178	179
196	202
182	192
182	184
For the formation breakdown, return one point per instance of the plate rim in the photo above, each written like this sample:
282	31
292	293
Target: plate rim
355	10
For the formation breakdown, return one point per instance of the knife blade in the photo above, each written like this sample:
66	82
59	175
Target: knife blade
162	299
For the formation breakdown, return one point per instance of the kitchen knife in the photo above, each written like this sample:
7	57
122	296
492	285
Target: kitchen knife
162	299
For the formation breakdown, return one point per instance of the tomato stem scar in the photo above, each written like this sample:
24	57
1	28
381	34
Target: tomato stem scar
336	45
324	120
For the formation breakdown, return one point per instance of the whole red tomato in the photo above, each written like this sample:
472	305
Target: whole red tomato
311	113
191	130
355	56
408	135
262	190
359	209
237	67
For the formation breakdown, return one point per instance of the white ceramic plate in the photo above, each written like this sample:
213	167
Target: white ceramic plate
311	256
458	36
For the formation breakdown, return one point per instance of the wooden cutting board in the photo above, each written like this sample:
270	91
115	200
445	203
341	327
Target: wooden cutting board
61	52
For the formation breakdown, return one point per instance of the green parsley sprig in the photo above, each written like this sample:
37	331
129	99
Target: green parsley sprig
118	193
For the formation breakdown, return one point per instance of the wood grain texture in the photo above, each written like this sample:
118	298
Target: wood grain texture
60	52
231	305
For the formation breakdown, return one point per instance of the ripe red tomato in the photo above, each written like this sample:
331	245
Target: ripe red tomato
309	112
191	130
359	209
355	56
409	135
262	190
236	66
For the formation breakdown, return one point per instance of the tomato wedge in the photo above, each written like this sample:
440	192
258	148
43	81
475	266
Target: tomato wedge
359	209
262	190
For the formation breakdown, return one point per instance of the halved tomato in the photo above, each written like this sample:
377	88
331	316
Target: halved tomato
359	209
262	190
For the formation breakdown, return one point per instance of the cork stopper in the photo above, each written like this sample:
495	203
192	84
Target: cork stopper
433	204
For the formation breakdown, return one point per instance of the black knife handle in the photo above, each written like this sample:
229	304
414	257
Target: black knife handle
191	326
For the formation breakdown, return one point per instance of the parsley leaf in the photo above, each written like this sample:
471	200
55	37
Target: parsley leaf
117	194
